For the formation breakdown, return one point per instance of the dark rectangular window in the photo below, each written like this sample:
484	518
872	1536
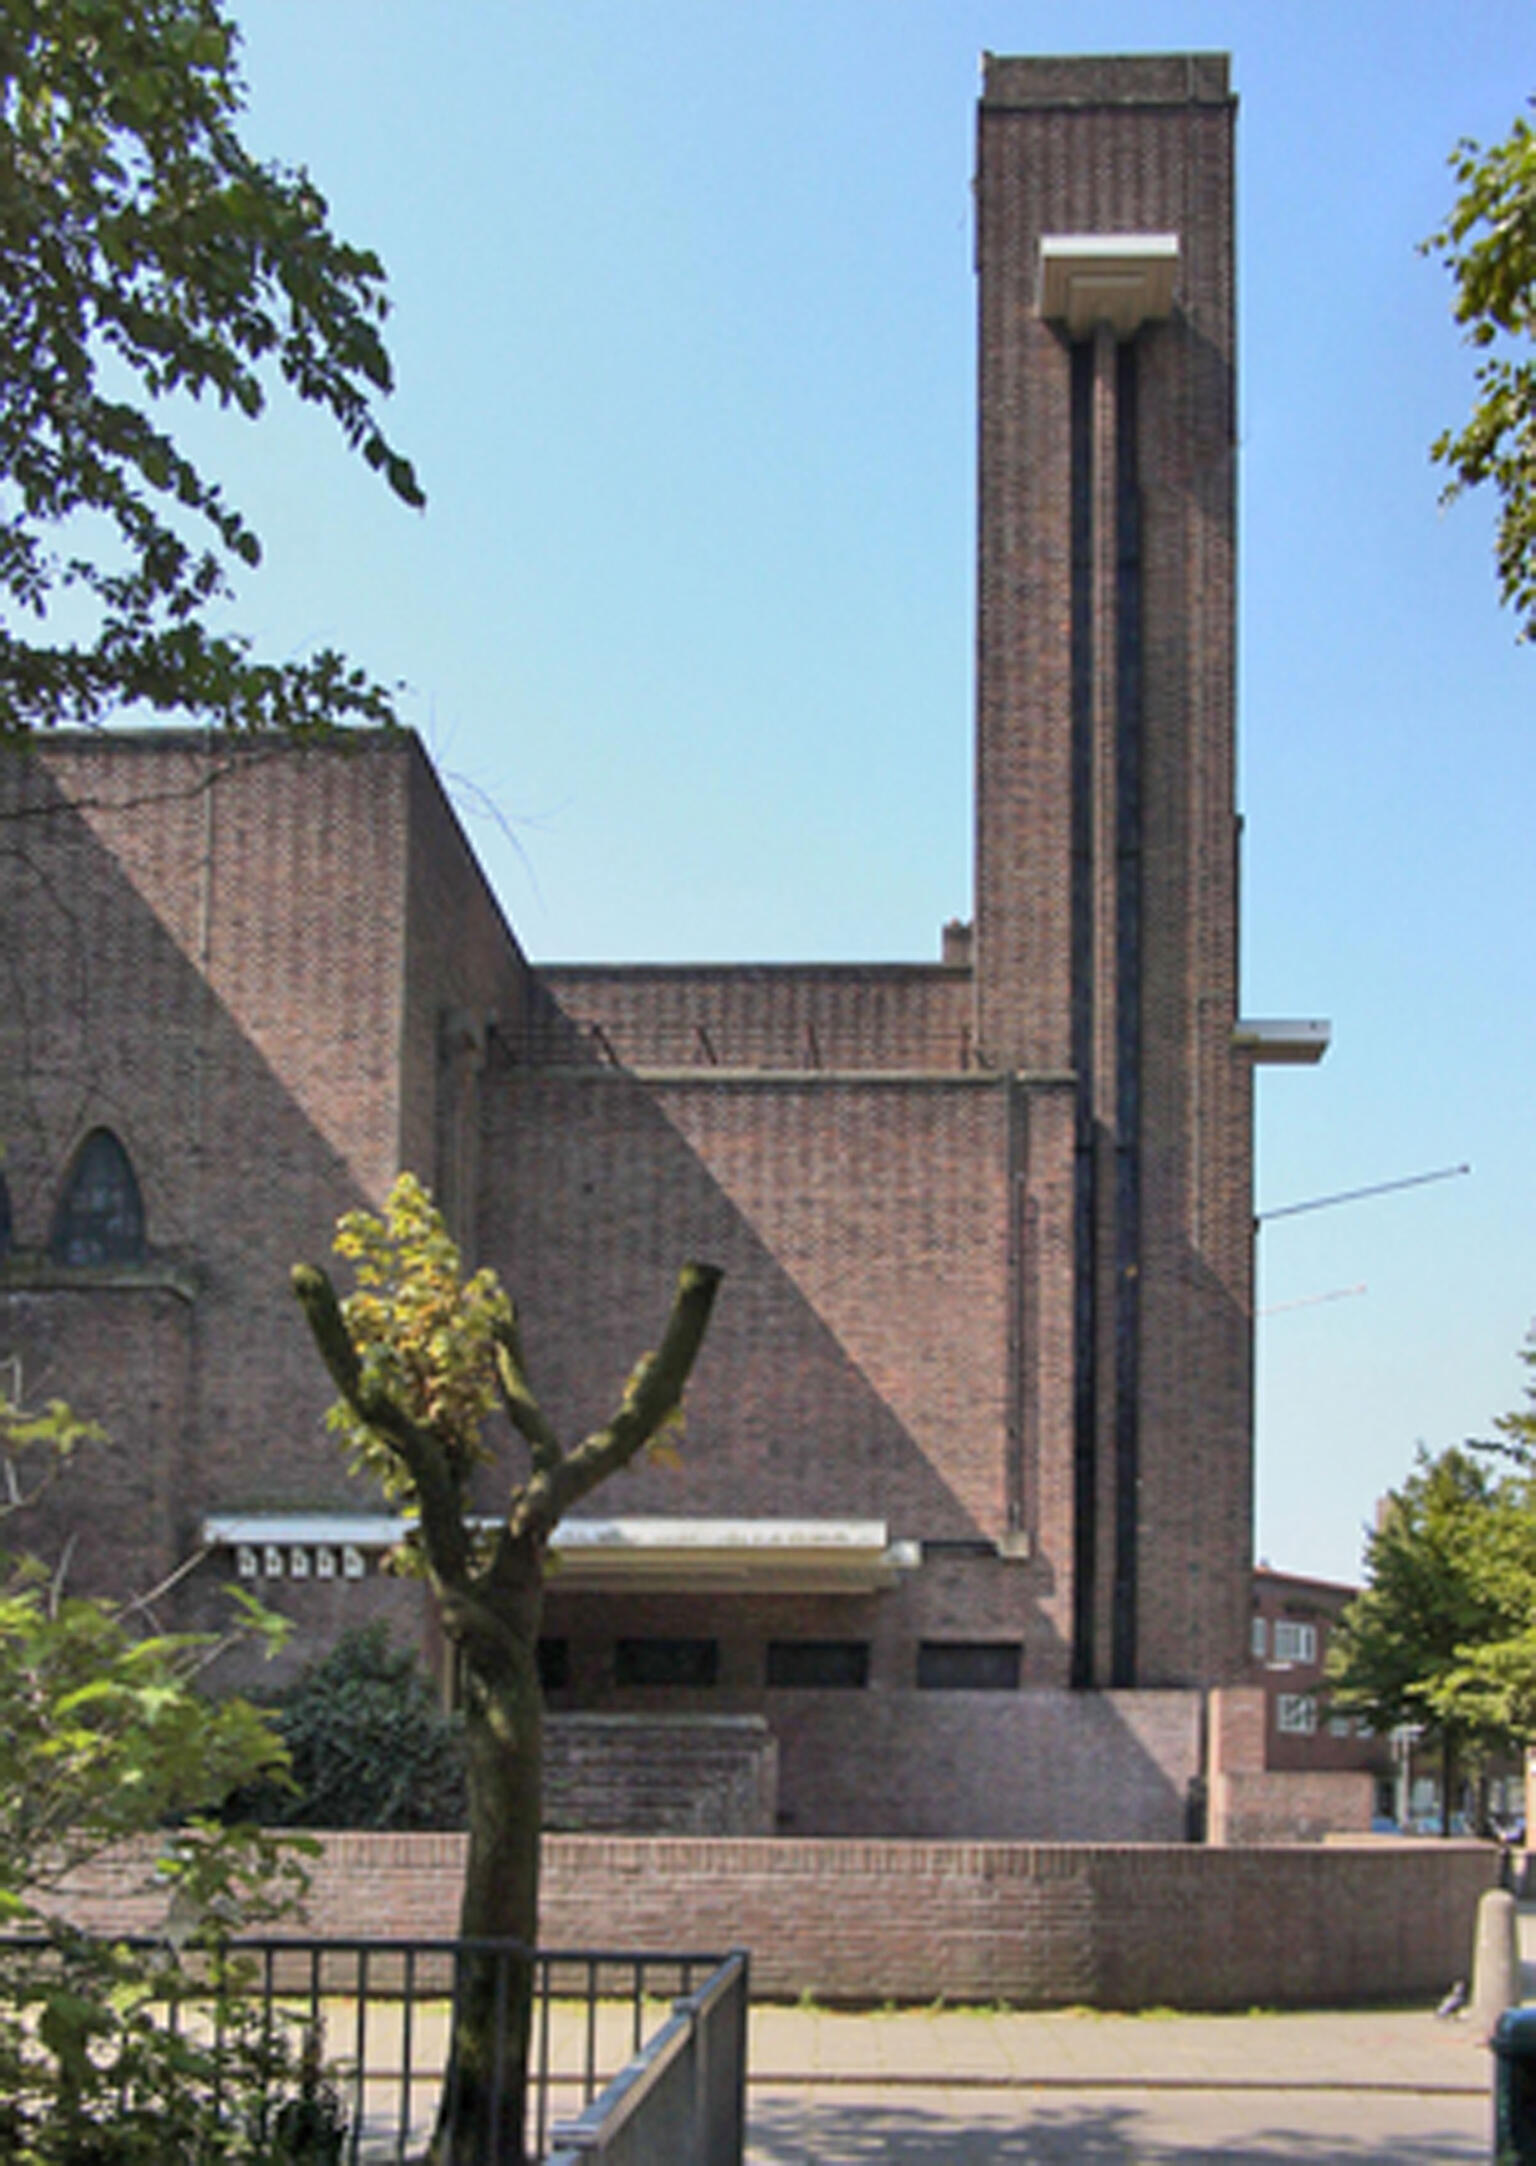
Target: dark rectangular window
969	1665
666	1662
826	1665
555	1665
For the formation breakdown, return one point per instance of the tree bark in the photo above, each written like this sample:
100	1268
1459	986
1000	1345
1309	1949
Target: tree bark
483	2112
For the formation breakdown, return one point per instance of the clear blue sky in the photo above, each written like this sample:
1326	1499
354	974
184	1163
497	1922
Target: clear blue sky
684	330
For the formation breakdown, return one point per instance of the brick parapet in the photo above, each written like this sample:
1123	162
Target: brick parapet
780	1016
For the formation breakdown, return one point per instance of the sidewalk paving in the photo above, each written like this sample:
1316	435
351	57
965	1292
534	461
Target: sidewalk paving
959	2087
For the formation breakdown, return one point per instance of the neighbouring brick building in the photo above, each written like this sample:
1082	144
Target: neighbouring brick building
963	1534
1292	1624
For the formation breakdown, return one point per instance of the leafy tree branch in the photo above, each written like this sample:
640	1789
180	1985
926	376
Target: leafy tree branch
147	257
1488	244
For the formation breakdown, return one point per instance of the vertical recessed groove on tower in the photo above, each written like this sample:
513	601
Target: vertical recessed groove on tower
1128	905
1084	1368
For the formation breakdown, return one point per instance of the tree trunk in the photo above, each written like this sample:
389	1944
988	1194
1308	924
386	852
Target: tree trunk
483	2111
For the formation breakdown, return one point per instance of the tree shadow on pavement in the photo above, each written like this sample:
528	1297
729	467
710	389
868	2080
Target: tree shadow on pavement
801	2131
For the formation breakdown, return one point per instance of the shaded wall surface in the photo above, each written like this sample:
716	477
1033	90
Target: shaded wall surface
662	1775
1036	1765
890	1343
857	1362
1116	1926
218	952
180	974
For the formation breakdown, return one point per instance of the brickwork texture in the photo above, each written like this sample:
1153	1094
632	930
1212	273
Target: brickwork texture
1103	1926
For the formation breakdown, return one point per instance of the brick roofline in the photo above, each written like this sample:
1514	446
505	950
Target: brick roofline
1304	1579
736	972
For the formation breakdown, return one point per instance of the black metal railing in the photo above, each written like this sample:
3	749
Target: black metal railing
366	2025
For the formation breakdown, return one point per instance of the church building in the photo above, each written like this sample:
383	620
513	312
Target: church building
961	1538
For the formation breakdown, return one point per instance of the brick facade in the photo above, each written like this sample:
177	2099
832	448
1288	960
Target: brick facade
1292	1623
986	1222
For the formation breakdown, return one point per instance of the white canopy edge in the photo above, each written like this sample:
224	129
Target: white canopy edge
801	1556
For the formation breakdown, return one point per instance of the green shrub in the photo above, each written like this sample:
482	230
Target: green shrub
368	1745
119	2056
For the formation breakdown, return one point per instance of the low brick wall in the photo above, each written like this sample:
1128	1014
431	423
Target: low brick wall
1038	1925
1292	1805
660	1774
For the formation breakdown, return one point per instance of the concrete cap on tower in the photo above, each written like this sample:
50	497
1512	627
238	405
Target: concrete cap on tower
1122	279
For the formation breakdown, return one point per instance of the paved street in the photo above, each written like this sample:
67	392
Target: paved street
949	2088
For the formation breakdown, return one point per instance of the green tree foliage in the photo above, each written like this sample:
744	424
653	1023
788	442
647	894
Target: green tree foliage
1488	244
107	1739
35	1446
148	259
368	1746
106	1734
1426	1601
94	2071
421	1358
1493	1686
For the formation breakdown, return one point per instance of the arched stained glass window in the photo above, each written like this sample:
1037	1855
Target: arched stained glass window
100	1218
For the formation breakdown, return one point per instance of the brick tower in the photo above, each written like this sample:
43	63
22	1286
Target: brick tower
1106	902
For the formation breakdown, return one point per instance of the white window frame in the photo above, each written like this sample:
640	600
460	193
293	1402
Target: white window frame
1294	1641
1296	1714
